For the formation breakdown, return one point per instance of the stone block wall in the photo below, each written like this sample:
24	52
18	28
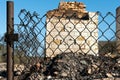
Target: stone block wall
66	35
68	32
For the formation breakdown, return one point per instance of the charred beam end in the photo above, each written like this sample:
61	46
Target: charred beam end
11	37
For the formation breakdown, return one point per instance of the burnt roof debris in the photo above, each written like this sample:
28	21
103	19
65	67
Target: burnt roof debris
69	9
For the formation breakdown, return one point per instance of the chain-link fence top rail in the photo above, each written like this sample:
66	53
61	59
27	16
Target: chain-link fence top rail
67	47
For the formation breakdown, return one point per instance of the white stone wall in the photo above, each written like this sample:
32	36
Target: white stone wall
66	35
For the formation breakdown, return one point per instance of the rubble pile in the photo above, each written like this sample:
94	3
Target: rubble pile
72	66
82	67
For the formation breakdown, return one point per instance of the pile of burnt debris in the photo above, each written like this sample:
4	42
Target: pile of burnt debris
71	66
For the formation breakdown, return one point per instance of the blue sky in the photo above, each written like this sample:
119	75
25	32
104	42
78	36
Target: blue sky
42	6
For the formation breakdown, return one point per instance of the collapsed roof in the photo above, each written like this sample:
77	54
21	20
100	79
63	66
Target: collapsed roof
69	10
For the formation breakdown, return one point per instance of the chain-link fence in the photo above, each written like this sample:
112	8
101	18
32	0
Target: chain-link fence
66	47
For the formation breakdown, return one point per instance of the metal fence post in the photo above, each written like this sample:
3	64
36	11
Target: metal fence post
118	28
10	47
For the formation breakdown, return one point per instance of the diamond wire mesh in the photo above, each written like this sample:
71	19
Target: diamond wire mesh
67	47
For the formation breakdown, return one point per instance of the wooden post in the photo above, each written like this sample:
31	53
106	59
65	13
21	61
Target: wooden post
10	46
118	29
